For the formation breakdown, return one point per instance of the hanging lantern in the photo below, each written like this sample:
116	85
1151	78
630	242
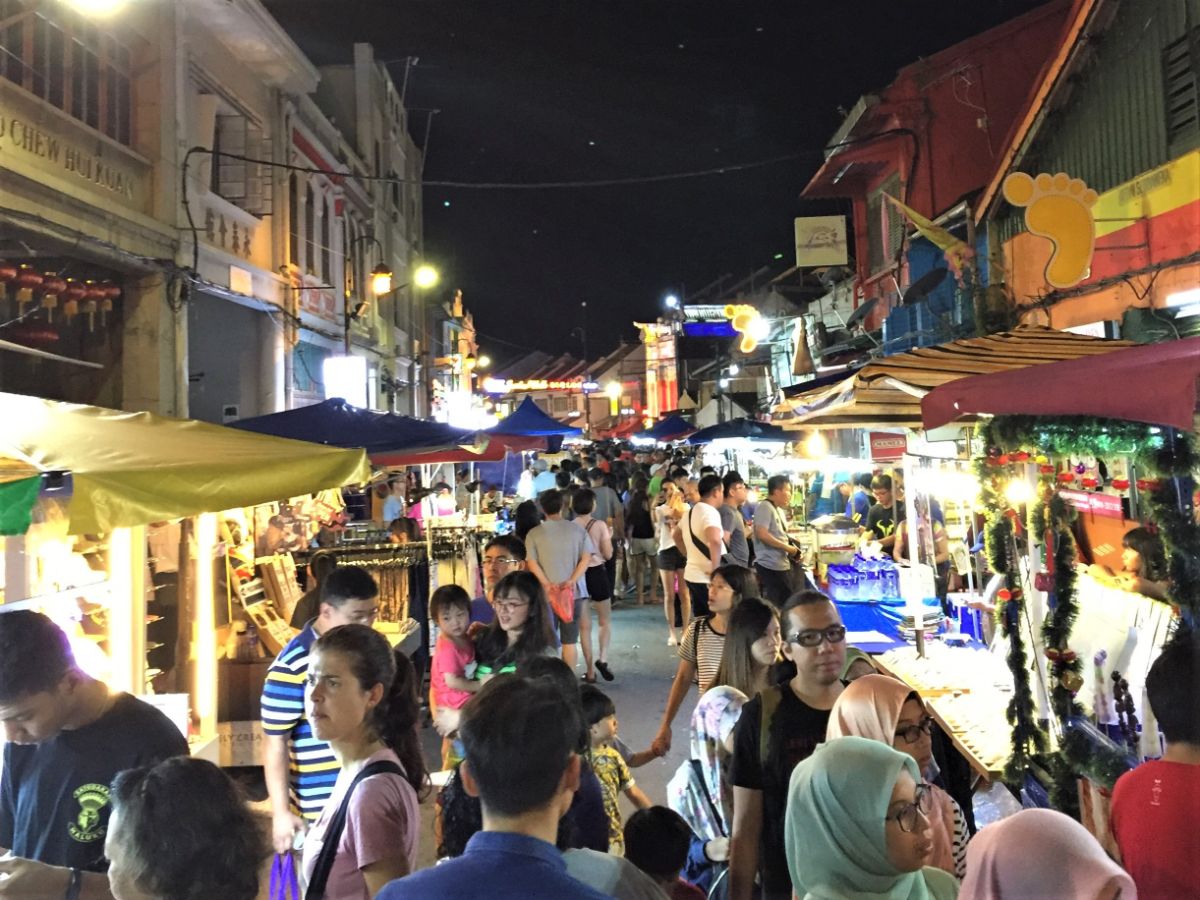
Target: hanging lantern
25	282
8	272
52	288
1066	477
1121	484
89	310
1046	469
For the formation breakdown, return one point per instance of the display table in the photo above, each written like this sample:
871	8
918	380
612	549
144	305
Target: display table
966	690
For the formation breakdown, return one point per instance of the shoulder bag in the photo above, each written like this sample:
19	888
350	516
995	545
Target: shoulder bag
337	824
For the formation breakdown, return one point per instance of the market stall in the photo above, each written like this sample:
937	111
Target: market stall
672	428
81	487
1082	640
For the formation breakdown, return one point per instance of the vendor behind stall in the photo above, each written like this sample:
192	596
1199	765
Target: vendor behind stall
885	513
1143	565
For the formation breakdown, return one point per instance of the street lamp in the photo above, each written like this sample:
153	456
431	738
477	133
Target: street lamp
426	276
671	301
381	280
98	9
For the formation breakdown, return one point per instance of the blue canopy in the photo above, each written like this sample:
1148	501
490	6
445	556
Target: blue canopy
747	429
528	420
670	428
338	424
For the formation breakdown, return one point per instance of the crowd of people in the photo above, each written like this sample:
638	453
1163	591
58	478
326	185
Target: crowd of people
808	774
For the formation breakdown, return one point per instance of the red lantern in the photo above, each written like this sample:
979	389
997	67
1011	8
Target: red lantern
7	273
32	334
1021	456
1046	469
1066	477
1004	595
1121	484
1090	482
1003	459
1147	484
25	282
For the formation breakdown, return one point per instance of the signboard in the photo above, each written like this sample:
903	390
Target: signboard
821	241
887	447
509	386
1106	505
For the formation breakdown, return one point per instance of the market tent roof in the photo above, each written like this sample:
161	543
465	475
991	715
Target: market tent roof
669	429
132	468
528	420
338	424
888	391
1154	383
744	429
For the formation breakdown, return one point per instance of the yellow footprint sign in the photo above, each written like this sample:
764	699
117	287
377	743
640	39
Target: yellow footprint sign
1058	207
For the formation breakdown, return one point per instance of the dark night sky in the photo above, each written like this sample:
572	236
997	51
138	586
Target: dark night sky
557	90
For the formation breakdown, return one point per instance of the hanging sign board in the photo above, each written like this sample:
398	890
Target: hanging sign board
887	447
1106	505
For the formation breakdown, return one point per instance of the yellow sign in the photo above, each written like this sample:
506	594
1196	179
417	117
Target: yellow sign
749	323
1058	207
509	386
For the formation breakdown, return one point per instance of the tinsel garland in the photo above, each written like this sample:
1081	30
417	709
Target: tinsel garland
1164	454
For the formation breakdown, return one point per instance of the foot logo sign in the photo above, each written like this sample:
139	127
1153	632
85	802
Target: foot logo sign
1058	207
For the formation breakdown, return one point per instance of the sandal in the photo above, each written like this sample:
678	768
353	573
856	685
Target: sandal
587	680
604	670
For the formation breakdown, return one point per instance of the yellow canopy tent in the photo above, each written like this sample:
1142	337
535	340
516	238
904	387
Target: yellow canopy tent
132	468
888	392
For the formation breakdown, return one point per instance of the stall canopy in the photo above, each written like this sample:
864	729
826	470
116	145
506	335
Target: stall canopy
338	424
888	392
135	468
528	428
1155	384
744	429
672	428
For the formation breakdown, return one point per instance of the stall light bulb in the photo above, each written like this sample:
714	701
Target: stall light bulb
1019	492
816	446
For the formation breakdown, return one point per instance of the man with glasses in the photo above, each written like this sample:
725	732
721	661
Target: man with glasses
502	554
299	769
778	729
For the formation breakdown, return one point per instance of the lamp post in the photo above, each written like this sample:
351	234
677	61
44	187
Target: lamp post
381	284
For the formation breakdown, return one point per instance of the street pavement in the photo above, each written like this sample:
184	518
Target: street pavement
644	666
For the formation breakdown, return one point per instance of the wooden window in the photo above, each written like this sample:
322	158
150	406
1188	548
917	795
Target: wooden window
885	226
326	239
310	230
70	63
1181	90
293	221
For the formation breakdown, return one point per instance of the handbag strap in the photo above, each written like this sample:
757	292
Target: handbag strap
700	545
337	824
698	771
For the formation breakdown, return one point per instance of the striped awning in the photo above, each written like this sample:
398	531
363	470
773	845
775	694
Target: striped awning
888	391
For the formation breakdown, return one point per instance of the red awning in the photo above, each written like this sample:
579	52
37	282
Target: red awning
1155	384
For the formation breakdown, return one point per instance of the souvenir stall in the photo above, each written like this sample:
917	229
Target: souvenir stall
111	526
961	670
1061	464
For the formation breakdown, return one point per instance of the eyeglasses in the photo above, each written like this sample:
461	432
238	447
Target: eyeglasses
835	634
912	733
906	817
498	560
510	605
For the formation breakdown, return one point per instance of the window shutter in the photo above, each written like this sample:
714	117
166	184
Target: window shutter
1181	65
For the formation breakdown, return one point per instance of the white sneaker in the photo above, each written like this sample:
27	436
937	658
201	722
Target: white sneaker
671	642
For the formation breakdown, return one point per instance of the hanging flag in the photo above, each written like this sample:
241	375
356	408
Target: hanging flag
16	504
956	250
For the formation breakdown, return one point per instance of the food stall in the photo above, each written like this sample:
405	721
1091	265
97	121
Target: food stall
82	484
972	695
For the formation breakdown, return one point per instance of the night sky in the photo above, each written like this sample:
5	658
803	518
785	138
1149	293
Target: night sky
561	90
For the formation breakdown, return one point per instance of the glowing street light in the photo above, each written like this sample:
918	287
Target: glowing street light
98	9
483	361
613	390
671	301
426	276
381	280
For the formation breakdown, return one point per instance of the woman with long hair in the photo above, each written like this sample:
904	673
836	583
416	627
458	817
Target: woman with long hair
752	643
702	646
180	829
520	630
642	539
526	517
668	513
361	698
880	708
599	588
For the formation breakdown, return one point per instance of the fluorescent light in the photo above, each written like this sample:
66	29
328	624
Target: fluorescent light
346	377
1190	297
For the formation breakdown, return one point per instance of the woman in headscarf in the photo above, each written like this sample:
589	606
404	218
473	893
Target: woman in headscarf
1042	853
858	664
883	709
700	789
857	826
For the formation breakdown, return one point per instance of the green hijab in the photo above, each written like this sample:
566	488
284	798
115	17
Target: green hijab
835	833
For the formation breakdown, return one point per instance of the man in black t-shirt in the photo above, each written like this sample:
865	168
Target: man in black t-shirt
67	738
797	714
884	513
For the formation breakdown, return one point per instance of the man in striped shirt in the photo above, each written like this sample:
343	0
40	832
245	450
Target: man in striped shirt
301	770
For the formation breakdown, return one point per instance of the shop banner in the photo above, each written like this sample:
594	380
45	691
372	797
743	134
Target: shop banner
887	447
1106	505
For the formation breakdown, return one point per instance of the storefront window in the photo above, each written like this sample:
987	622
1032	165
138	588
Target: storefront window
70	64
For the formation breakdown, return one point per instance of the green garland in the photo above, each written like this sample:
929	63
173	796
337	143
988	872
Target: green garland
1160	453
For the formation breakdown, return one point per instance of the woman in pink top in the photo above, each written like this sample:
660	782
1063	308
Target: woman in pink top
883	709
361	698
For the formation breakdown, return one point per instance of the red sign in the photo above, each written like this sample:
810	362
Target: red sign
1106	505
886	447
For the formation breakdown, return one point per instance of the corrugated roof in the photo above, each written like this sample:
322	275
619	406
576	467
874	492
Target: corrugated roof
889	391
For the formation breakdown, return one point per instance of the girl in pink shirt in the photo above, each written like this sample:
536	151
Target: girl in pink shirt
451	674
361	697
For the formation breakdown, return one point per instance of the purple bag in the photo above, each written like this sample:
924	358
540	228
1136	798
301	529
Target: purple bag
285	884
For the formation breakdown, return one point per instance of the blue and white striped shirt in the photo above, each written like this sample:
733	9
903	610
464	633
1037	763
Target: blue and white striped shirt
314	768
